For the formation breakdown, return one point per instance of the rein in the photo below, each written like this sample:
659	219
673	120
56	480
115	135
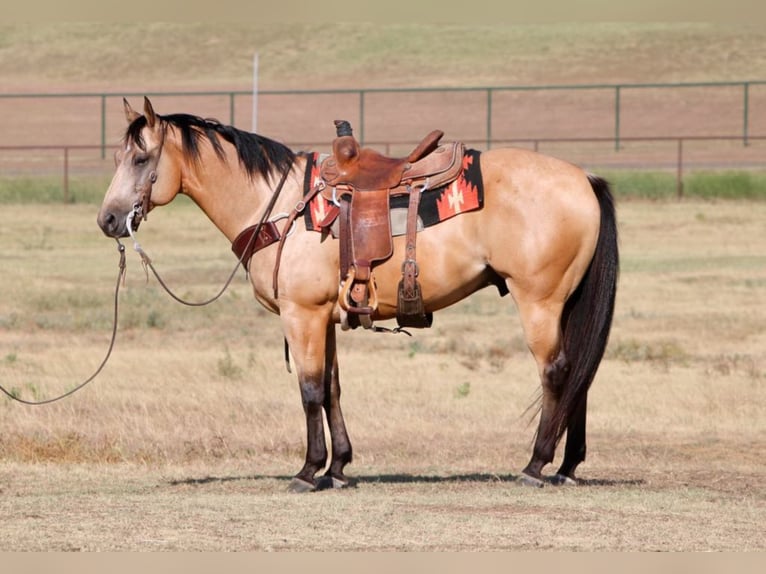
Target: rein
120	279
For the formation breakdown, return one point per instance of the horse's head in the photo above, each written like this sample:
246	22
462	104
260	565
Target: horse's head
145	176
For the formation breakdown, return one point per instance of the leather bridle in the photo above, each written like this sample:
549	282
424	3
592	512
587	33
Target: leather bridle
144	188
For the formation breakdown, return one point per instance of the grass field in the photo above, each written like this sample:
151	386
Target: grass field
291	55
189	437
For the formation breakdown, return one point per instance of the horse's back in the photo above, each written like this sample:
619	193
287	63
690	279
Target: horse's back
537	229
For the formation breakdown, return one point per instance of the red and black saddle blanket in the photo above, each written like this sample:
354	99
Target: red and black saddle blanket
464	194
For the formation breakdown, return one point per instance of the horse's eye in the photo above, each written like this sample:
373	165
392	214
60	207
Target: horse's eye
140	160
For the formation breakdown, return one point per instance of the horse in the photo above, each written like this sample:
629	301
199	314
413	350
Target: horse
546	233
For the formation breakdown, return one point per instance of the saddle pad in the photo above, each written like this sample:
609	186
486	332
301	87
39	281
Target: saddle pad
466	193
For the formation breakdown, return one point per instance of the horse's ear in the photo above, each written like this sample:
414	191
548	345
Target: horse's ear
151	117
130	114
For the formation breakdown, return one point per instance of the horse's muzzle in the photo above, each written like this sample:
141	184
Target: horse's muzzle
115	226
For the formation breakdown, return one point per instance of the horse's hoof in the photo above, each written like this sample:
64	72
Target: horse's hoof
298	486
563	480
528	480
328	482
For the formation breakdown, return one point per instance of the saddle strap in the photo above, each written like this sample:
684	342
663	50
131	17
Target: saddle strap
410	310
245	245
297	210
346	259
410	266
344	233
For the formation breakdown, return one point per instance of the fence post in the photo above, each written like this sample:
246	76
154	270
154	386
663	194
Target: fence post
679	170
103	126
361	117
746	121
66	174
489	117
617	118
231	108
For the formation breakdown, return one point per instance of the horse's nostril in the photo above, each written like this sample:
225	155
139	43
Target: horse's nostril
108	223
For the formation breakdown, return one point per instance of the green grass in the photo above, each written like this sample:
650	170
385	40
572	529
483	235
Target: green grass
81	189
700	184
654	185
641	185
726	185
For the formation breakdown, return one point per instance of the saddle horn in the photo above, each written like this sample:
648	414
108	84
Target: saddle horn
343	128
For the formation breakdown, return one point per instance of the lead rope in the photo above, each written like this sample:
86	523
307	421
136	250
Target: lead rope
120	280
147	261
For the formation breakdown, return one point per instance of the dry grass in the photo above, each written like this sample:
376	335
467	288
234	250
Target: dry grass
173	55
188	439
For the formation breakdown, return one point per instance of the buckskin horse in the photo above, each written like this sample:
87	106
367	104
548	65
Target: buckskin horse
545	232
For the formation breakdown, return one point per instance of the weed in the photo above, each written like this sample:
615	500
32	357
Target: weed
39	242
32	388
631	350
155	320
463	390
728	364
227	368
9	321
498	353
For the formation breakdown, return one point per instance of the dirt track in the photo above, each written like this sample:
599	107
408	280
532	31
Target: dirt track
394	122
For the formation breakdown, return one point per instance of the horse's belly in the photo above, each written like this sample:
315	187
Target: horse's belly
450	267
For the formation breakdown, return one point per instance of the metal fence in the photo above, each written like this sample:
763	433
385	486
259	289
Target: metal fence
667	126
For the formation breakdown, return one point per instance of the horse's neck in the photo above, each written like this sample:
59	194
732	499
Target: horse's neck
232	199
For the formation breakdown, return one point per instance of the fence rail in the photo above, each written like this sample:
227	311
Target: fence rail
678	163
489	96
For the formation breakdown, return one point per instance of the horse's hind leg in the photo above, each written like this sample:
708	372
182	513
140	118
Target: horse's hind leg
574	452
341	445
541	321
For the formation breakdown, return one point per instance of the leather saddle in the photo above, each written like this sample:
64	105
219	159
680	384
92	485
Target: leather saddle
360	181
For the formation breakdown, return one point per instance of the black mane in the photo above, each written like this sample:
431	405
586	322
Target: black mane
257	154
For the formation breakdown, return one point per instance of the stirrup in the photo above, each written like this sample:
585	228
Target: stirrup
344	297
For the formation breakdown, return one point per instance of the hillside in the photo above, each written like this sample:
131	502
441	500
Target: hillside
124	56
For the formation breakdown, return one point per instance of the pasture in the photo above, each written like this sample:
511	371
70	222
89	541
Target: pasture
190	436
188	439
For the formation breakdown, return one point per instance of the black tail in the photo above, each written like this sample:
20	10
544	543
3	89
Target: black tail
587	317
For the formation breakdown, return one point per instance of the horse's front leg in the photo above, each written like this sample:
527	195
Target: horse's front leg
306	332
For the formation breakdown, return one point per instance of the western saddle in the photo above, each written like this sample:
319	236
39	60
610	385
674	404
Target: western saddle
360	181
